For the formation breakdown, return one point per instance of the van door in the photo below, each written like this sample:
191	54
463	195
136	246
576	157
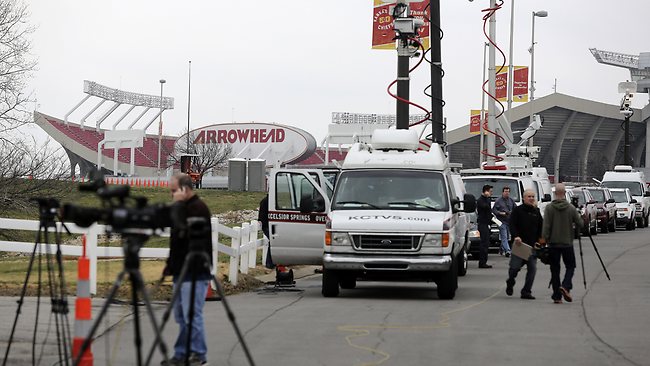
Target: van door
298	207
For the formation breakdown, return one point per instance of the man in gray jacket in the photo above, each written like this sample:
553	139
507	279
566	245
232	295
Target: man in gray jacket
558	231
502	209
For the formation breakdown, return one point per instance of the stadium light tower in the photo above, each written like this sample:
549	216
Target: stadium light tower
162	82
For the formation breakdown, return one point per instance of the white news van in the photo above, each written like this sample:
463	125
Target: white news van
394	215
624	176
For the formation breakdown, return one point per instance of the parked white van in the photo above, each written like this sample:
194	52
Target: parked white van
624	176
394	215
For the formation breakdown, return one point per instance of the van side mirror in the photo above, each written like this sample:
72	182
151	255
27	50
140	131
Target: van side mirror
646	194
546	198
469	203
611	200
633	201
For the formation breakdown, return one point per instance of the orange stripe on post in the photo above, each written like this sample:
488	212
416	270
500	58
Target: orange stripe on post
83	268
82	309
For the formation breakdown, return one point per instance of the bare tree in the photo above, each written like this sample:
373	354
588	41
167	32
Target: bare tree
30	170
16	65
210	155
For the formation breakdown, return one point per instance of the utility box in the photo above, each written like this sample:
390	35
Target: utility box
237	175
257	175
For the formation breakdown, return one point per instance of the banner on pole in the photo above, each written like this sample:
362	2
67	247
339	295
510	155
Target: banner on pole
520	86
383	33
475	121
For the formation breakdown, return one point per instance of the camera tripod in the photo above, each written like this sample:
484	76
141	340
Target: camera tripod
582	262
132	242
58	296
198	261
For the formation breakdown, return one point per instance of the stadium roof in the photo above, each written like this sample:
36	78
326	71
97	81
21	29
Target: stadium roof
575	132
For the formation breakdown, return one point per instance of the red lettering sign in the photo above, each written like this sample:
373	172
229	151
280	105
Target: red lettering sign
251	136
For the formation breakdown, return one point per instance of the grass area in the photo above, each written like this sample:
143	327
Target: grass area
14	268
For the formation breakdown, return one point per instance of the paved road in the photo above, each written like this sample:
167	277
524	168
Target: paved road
405	323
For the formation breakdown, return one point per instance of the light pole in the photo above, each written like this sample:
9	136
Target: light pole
162	82
511	72
541	14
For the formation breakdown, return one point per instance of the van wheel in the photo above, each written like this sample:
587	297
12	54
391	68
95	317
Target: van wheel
330	286
463	260
639	222
645	221
630	225
348	281
448	282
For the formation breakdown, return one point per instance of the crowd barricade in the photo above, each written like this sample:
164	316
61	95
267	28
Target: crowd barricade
245	242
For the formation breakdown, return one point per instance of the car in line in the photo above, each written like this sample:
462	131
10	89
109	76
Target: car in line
605	208
625	207
587	208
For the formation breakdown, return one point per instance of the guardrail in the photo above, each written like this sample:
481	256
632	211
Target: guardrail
242	251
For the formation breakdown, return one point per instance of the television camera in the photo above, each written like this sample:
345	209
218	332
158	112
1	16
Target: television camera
120	210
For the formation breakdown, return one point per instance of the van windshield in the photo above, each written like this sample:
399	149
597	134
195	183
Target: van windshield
392	190
619	196
475	185
635	187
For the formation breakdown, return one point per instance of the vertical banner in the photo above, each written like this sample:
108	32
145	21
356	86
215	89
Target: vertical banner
520	86
475	121
502	84
383	33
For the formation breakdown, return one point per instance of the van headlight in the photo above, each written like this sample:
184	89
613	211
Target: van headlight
341	239
435	240
474	234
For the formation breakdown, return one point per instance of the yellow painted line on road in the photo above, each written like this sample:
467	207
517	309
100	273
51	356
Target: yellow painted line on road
363	330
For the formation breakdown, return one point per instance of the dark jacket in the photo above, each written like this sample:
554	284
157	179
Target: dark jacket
484	210
526	222
559	218
179	241
503	205
263	215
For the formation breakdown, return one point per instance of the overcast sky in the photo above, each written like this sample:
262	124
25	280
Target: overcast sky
294	62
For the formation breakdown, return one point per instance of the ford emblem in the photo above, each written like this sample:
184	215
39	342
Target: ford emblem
386	242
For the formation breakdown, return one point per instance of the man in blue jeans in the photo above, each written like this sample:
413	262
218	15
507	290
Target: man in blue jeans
188	205
558	231
502	209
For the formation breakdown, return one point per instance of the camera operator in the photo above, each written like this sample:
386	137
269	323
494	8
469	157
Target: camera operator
558	231
187	204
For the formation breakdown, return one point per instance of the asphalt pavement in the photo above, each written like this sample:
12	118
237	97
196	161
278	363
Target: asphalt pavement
406	324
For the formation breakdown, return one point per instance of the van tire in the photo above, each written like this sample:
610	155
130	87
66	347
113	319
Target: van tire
639	222
330	287
645	221
348	281
612	226
593	230
448	282
463	261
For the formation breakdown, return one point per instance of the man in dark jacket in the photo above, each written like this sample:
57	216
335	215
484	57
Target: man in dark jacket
263	218
189	205
502	209
525	227
558	231
484	220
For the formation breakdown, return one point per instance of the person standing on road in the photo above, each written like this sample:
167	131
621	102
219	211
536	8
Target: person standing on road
263	218
525	227
558	231
484	220
190	205
502	209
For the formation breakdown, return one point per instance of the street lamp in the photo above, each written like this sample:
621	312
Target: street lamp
162	82
541	14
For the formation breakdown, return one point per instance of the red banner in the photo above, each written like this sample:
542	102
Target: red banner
383	33
520	87
475	121
502	84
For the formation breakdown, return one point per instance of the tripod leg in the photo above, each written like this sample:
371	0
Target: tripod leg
233	321
152	317
38	300
599	257
100	316
20	302
54	300
136	317
63	297
582	263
